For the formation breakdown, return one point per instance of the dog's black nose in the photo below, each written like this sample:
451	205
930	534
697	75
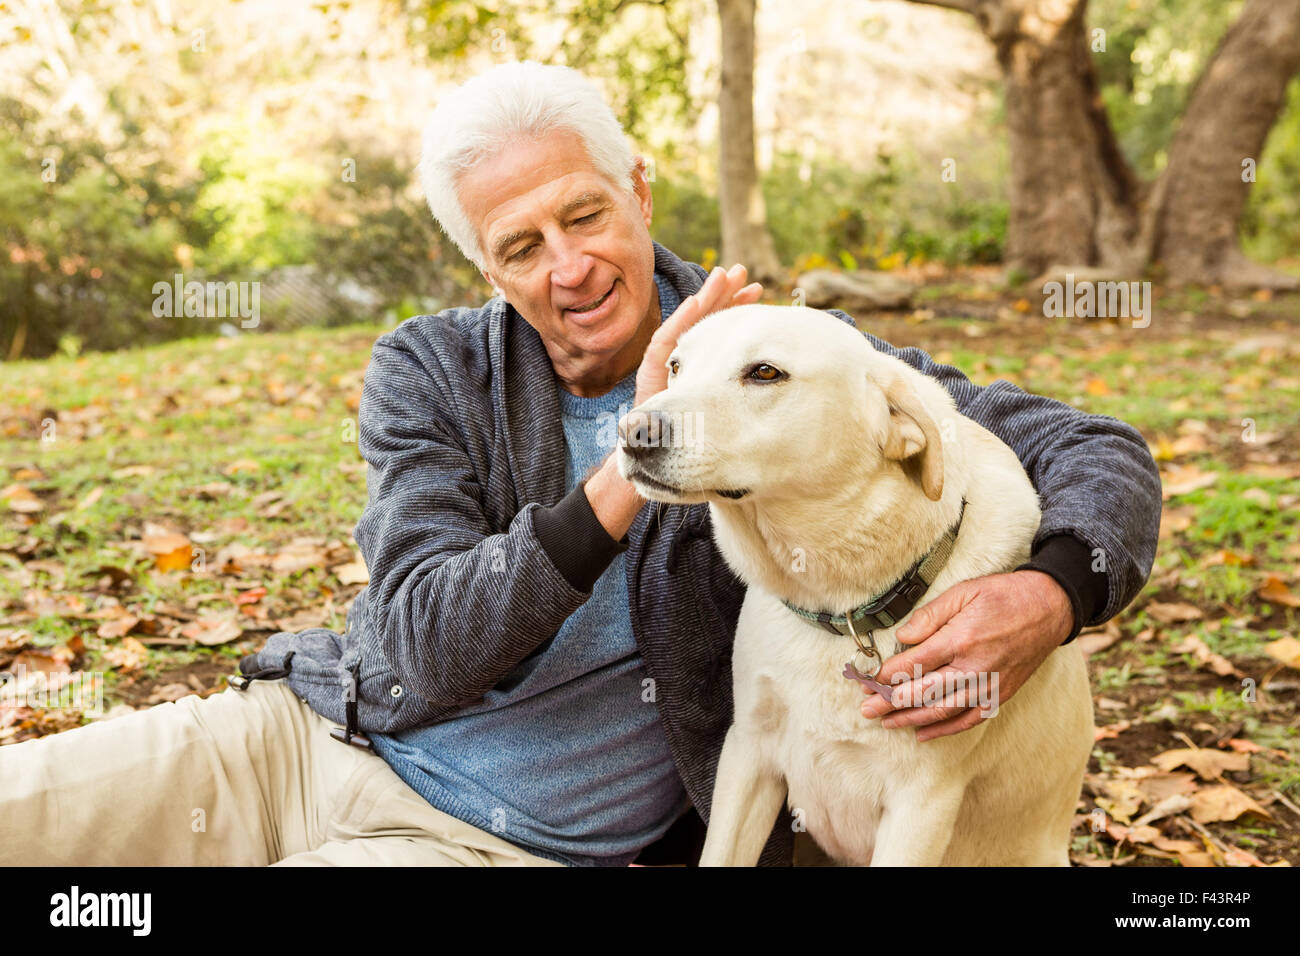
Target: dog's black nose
643	433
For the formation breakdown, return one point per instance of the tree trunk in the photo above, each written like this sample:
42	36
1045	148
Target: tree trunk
1222	134
745	238
1072	196
1075	201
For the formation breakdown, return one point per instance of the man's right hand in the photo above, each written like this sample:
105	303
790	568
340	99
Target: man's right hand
721	290
613	498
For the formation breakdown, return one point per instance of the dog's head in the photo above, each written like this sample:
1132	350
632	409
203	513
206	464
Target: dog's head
767	402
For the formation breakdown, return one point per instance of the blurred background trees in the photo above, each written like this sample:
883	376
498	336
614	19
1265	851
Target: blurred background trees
277	142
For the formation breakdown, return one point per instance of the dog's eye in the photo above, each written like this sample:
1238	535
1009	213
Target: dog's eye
673	365
765	373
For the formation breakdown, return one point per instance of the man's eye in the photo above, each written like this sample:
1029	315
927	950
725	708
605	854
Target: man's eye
521	253
588	217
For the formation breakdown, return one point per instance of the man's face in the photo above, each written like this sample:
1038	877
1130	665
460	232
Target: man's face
556	236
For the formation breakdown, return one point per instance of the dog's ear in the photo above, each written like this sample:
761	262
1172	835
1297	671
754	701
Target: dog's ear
913	437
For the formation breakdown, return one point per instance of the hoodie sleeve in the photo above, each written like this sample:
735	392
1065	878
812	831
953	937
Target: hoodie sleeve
1096	481
455	605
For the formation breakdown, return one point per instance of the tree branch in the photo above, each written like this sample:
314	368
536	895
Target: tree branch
965	6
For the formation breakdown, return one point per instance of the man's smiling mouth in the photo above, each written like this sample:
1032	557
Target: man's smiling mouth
594	303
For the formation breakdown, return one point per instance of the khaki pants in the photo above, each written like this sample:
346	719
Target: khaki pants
245	778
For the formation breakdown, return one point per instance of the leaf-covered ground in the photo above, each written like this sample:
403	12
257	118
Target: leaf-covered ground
163	510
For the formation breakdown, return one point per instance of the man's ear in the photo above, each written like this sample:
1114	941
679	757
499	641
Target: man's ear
913	438
641	189
491	281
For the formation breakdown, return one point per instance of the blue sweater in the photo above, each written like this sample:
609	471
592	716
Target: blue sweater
565	757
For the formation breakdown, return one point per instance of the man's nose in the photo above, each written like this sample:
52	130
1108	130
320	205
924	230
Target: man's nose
572	264
642	433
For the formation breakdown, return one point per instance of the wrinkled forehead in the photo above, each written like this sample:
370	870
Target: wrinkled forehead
801	338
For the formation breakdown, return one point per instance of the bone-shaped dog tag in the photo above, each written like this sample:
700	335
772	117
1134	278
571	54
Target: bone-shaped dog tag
852	673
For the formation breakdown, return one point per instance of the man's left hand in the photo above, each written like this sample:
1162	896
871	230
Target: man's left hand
1003	624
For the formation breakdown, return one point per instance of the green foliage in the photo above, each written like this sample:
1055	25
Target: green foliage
897	213
251	205
82	252
640	50
1271	223
1155	51
824	214
378	231
686	217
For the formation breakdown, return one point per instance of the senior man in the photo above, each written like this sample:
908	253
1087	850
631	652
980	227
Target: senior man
538	671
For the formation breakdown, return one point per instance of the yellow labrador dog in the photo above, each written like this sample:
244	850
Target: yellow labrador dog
845	490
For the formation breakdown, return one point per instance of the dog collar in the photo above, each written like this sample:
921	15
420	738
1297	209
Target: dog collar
896	601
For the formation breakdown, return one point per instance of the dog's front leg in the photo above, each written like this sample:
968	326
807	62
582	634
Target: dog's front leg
747	797
917	825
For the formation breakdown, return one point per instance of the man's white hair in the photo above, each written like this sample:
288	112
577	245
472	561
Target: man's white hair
510	102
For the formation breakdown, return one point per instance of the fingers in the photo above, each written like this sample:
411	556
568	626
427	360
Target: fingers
931	617
907	694
722	288
718	291
922	716
935	653
945	687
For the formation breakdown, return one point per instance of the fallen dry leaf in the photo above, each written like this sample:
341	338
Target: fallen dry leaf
298	557
117	627
1184	479
1168	807
1223	802
1111	731
168	692
1236	856
1176	846
1286	650
22	499
1229	558
352	573
1094	639
251	596
1200	651
211	631
1275	591
171	551
129	655
1208	764
1243	746
1120	799
1175	613
90	498
1157	787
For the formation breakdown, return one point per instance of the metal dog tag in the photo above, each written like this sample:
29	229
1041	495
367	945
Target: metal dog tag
851	672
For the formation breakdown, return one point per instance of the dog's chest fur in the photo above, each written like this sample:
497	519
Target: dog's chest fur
788	684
